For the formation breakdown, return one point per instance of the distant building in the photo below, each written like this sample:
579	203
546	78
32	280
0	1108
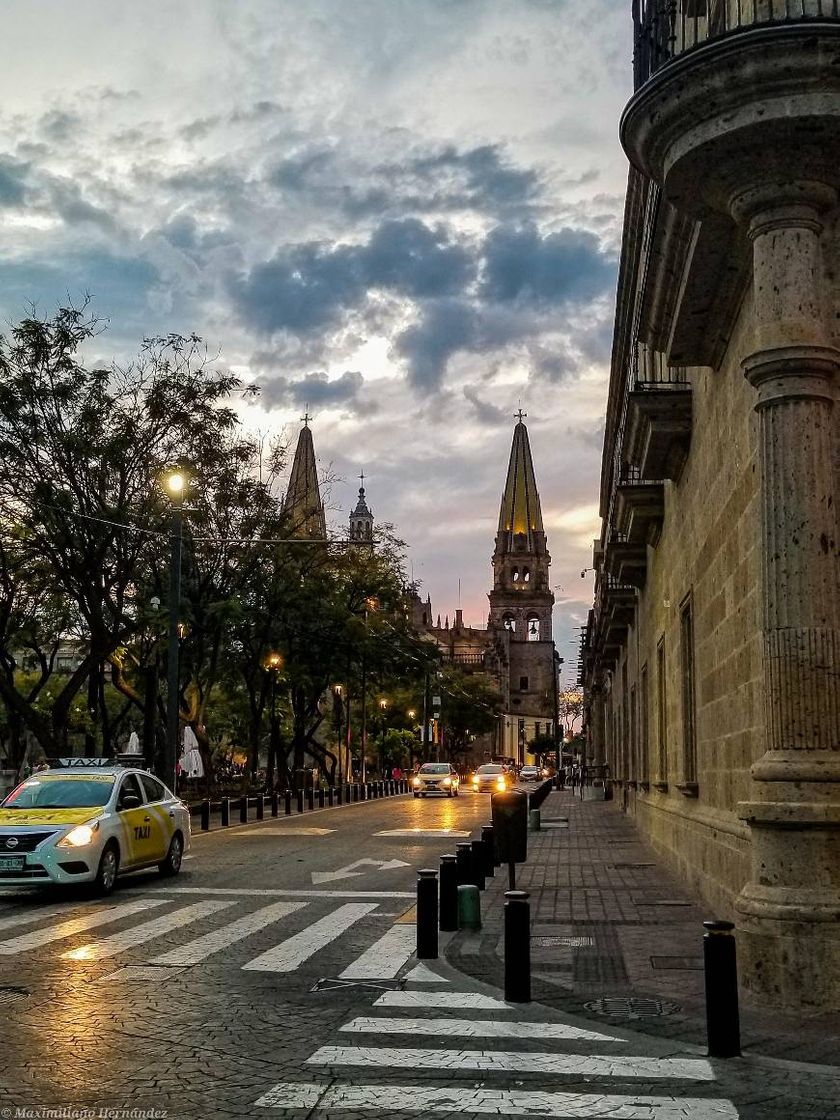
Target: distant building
516	648
712	655
303	498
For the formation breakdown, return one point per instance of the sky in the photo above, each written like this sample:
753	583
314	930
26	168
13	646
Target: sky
404	214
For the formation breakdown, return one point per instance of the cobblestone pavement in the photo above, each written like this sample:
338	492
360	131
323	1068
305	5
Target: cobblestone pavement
275	977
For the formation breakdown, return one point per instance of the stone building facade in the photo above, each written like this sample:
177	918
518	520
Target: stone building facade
712	655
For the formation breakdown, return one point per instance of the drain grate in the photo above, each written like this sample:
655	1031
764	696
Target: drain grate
562	942
689	964
13	995
630	866
329	984
631	1007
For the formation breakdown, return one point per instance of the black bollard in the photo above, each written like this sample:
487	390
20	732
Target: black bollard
487	841
478	863
517	947
363	791
243	809
723	1027
310	799
339	795
465	868
330	797
225	812
260	807
205	815
448	893
427	916
275	803
287	802
300	801
320	799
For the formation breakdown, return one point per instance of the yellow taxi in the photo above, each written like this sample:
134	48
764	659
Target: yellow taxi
492	777
88	824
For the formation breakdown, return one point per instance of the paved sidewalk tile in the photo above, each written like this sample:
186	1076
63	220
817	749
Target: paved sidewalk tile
610	923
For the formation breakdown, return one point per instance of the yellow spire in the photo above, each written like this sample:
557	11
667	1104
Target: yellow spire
520	512
303	498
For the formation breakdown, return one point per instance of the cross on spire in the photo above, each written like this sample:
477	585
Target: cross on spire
306	417
362	478
520	415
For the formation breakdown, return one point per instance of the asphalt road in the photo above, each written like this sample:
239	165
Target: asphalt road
274	977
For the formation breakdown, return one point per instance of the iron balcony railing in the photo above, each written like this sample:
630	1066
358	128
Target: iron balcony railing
666	29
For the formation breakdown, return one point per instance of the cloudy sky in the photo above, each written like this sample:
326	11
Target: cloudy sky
404	213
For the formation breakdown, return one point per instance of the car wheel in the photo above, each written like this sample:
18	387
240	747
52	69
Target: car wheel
422	795
106	873
449	793
417	795
172	864
455	793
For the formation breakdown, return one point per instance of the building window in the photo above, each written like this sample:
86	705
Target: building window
510	623
624	724
537	728
644	729
634	744
688	697
661	711
523	684
533	629
516	575
526	575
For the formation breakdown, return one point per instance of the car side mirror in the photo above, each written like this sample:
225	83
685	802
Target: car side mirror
130	801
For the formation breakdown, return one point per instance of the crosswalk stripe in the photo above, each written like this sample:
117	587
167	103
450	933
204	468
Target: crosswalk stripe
40	937
218	939
578	1065
493	1102
137	935
422	974
32	914
452	1001
474	1028
385	957
286	956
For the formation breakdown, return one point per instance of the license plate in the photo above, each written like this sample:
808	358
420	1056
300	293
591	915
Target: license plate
12	863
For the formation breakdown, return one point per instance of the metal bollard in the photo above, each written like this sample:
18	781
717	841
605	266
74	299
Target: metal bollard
463	853
243	809
469	906
310	799
275	803
448	893
427	916
321	799
723	1027
363	791
205	815
300	801
330	796
287	802
517	947
355	791
533	820
489	859
260	807
339	795
477	847
225	812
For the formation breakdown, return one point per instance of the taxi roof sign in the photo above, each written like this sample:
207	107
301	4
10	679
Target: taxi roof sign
64	763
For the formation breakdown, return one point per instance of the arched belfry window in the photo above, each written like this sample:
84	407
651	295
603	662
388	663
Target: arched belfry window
509	623
533	629
515	575
526	575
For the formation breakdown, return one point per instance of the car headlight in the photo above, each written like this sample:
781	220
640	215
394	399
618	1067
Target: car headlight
416	782
501	783
475	779
80	836
447	781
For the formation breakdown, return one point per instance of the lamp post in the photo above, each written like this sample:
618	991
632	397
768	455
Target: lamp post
558	661
383	707
412	715
175	484
338	709
273	665
371	604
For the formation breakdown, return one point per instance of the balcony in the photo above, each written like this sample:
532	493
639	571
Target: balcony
639	508
626	562
667	29
658	432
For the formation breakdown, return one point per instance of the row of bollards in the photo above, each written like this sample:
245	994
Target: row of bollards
305	800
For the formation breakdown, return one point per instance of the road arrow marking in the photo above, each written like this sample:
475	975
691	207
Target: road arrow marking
349	871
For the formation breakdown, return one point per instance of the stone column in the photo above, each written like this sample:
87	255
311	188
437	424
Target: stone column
790	911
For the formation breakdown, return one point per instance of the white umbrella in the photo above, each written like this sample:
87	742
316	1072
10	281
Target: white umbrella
133	743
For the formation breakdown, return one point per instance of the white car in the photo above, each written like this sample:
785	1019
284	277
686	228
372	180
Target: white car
88	824
436	777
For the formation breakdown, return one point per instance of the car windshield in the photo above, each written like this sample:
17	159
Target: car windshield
435	768
490	768
529	769
61	793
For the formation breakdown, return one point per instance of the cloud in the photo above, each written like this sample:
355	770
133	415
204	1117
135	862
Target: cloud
13	175
567	266
315	390
487	413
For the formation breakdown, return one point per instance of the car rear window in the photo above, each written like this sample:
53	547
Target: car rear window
61	793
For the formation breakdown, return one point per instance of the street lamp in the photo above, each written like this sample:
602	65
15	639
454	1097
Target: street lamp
412	715
338	709
371	604
175	484
273	664
383	707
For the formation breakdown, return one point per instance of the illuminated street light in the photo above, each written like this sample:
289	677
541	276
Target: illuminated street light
175	484
273	664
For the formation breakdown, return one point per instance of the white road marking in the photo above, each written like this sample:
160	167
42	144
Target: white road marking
225	936
32	914
292	831
385	957
349	871
577	1065
422	974
286	956
93	918
244	892
137	935
453	1001
421	833
494	1102
474	1028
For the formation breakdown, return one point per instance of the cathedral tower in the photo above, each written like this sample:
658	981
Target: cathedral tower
303	498
361	519
521	602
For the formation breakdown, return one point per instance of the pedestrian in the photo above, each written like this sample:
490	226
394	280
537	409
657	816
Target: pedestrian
561	777
396	774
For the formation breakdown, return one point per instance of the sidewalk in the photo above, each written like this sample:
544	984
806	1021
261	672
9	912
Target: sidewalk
608	922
